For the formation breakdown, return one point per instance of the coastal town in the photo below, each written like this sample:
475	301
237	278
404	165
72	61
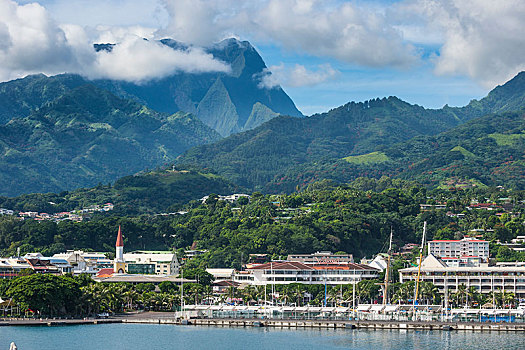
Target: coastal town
456	279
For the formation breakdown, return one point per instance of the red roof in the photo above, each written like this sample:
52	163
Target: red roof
295	265
282	265
120	242
105	272
349	266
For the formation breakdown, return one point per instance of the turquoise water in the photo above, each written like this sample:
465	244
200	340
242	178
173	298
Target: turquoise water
145	336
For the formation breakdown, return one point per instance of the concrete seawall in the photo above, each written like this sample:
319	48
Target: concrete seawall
388	325
152	318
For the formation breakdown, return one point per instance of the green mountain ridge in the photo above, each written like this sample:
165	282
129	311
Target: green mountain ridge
287	152
87	136
233	94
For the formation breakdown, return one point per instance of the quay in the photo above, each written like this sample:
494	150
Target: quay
166	318
169	319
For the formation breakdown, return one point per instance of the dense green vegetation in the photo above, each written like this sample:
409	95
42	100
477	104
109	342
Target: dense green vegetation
352	218
375	138
486	151
146	193
89	136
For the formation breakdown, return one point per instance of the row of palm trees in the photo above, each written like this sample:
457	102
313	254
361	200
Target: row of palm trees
118	297
469	296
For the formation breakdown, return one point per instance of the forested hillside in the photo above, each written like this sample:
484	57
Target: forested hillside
285	152
146	193
486	151
89	136
228	102
353	218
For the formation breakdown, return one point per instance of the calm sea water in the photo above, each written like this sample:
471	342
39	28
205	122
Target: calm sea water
144	336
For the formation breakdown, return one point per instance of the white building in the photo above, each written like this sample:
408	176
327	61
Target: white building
468	247
221	274
288	272
85	262
162	263
484	279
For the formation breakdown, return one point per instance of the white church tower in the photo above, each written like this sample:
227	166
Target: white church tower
119	263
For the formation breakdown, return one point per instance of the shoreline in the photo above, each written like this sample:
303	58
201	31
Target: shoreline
168	318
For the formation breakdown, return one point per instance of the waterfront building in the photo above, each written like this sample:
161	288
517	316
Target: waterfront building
484	278
287	272
221	274
379	262
451	248
85	262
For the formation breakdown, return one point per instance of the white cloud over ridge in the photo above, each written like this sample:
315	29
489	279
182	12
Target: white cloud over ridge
480	39
32	42
297	76
321	28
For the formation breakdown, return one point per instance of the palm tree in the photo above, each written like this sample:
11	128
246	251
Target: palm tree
509	298
461	293
473	295
404	292
429	292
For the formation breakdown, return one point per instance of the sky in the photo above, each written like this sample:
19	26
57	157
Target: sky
324	53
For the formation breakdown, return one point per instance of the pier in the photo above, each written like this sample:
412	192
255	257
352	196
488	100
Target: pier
169	319
327	324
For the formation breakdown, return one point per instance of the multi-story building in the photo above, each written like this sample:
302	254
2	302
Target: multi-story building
287	272
150	262
458	248
485	279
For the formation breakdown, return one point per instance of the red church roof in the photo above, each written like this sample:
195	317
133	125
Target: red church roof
120	242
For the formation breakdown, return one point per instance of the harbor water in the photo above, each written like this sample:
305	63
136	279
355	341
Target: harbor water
149	336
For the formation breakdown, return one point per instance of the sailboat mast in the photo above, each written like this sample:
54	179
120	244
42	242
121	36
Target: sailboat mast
387	274
420	261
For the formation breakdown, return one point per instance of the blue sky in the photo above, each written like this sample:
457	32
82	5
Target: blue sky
324	53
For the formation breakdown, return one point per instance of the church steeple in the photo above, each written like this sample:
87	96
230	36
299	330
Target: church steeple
120	242
119	263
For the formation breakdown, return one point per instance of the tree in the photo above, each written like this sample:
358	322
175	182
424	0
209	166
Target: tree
200	275
46	294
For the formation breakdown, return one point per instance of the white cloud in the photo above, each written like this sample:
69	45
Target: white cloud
32	42
322	28
138	60
482	39
297	76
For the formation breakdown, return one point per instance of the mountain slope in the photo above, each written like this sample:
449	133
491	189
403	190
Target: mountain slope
18	98
484	151
234	95
283	149
88	136
223	101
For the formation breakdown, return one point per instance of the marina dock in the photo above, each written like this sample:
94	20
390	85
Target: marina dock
331	324
168	319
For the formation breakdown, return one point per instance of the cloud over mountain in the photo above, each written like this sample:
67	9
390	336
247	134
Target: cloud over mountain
32	42
297	76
